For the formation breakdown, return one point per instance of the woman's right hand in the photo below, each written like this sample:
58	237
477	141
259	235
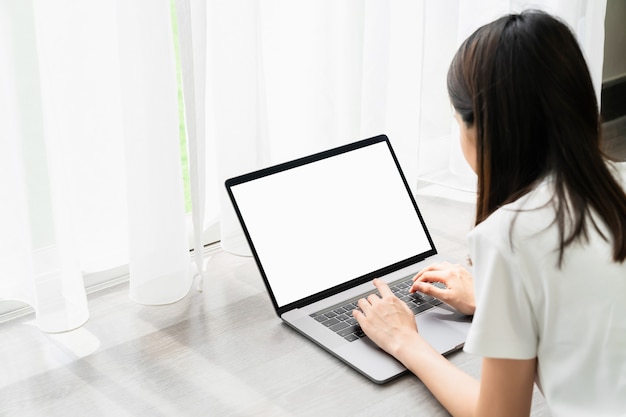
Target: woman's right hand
459	291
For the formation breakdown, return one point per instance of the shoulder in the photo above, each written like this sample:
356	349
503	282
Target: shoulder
531	219
524	217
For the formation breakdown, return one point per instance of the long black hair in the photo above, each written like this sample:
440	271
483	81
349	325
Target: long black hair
523	82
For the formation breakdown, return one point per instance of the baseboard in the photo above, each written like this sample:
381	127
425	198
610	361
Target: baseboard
614	98
94	283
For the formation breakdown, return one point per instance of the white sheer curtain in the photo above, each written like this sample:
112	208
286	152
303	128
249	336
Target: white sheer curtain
93	169
291	78
294	77
90	158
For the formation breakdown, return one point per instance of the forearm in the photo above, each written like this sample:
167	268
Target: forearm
391	325
454	389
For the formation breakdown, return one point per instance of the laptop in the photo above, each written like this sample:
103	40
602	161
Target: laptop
321	228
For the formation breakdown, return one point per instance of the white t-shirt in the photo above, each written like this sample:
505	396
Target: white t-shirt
572	319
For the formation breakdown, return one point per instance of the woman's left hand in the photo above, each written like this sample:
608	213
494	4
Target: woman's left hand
385	319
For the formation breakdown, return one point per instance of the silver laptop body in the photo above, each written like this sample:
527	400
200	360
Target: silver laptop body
322	227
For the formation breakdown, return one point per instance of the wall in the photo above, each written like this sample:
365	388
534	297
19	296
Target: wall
615	40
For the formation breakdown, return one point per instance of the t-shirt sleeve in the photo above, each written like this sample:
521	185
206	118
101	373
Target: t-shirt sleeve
504	325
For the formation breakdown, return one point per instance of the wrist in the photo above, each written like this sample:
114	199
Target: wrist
418	356
469	309
410	347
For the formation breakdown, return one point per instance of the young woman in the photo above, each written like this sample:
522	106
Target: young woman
549	244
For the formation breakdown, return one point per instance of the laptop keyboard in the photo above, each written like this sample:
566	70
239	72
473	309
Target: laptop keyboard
339	318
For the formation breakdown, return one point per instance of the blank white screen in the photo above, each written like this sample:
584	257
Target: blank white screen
325	223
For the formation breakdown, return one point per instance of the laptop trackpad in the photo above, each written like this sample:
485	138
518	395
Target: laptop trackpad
444	328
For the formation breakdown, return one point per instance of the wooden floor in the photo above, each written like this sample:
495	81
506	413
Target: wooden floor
136	360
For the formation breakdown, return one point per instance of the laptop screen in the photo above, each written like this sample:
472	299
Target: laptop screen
320	222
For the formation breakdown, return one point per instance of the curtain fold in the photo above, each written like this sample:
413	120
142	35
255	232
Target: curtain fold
232	75
38	266
191	18
91	175
158	252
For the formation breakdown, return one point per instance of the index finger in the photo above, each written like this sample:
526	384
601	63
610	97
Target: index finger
382	288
